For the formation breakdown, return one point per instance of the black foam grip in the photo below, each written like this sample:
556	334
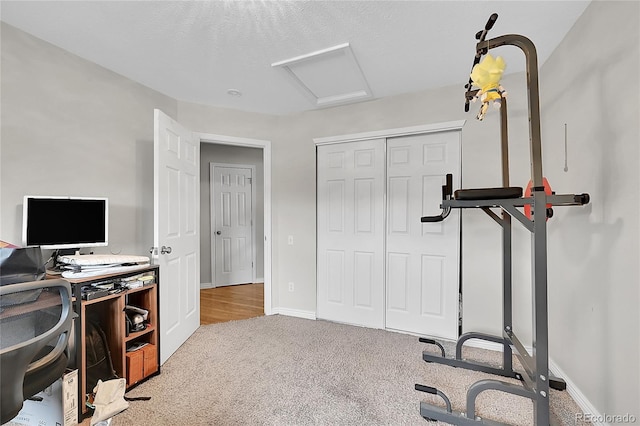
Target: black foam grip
425	340
583	198
492	20
427	389
431	219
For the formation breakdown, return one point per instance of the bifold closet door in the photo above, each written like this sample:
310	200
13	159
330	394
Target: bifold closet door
422	259
350	233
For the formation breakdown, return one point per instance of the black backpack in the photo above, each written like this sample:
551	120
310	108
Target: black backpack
98	357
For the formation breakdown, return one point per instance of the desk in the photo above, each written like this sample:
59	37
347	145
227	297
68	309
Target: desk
109	312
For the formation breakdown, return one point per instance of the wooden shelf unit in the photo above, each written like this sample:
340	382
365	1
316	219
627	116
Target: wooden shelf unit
109	312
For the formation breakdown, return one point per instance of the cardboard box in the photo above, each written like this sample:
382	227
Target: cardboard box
150	359
59	405
70	398
135	367
141	363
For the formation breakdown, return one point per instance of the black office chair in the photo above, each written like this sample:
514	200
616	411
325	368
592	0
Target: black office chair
35	325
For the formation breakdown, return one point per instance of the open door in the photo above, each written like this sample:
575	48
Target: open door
176	230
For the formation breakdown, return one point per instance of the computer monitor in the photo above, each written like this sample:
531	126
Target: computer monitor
65	222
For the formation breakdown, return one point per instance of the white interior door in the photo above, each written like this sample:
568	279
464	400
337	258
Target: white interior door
422	258
232	225
351	232
176	231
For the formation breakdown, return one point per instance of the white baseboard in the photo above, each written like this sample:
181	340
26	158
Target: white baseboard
585	405
294	313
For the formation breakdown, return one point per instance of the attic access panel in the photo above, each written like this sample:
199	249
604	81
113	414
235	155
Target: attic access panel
328	77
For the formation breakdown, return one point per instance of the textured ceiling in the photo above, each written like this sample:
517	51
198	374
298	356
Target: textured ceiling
196	50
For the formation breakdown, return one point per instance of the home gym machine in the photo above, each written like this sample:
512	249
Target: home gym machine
535	378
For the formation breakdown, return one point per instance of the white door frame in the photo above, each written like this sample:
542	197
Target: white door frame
266	160
212	217
392	133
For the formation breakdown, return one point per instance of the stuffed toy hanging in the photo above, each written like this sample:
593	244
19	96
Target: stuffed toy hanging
486	75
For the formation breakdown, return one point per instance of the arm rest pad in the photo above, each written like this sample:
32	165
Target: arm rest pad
488	193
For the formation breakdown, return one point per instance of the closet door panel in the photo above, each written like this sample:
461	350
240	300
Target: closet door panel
351	232
428	282
432	285
364	267
398	267
398	194
335	276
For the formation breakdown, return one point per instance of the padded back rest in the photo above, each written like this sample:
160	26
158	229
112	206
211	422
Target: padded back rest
35	324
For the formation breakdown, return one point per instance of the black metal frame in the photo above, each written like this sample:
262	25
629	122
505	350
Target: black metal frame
536	380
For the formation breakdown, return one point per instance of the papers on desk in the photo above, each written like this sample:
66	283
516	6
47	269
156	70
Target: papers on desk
85	260
84	266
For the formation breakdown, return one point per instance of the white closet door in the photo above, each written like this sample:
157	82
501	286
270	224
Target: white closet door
422	258
351	232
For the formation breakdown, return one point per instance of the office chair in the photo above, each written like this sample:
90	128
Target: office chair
35	324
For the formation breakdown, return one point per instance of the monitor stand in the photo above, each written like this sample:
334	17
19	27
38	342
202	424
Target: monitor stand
66	252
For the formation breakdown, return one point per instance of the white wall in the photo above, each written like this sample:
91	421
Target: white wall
591	84
71	127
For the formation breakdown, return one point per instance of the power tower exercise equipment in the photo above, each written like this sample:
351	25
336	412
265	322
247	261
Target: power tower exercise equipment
536	380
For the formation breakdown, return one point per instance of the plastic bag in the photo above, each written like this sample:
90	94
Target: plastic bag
109	400
19	265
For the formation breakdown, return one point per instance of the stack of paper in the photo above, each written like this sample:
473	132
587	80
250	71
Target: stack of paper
89	265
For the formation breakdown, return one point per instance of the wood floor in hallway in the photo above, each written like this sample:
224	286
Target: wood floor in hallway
234	302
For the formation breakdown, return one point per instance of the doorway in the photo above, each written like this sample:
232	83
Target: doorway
239	151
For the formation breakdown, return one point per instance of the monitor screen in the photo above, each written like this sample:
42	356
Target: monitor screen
65	222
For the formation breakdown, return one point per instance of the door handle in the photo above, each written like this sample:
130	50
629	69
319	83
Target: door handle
165	250
218	232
